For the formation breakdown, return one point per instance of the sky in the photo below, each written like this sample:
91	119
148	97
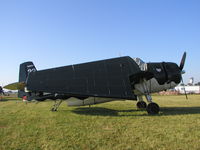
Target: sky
54	33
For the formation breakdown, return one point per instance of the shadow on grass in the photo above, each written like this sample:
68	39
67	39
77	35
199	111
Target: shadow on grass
4	99
164	111
180	110
100	111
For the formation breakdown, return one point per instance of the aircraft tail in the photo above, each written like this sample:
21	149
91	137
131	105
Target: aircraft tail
24	70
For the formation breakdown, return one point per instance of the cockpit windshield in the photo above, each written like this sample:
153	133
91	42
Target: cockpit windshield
142	65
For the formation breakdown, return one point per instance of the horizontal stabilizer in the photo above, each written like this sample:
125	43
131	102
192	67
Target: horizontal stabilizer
15	86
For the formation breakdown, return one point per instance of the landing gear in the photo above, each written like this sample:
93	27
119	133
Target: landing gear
56	105
145	89
141	105
153	108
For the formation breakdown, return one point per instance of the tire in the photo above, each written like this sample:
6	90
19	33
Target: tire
153	108
141	105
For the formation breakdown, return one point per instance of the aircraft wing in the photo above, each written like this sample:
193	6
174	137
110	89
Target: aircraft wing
105	78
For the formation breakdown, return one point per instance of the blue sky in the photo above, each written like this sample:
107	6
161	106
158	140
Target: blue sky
54	33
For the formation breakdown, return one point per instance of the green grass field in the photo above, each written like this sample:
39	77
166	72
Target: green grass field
110	126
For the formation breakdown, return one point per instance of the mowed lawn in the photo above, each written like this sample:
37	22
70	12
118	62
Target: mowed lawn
110	126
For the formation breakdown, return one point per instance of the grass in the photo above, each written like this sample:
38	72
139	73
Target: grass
109	126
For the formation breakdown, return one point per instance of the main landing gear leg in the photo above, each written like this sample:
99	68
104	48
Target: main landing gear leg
141	104
152	108
56	105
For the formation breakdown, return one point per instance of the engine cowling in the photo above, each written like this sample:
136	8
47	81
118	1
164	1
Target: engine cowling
165	72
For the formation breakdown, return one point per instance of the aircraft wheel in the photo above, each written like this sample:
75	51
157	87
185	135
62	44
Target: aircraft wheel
53	109
153	108
141	104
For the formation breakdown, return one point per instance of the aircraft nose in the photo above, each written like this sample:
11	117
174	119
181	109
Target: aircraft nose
173	72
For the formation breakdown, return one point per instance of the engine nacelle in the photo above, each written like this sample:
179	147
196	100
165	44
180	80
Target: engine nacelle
165	72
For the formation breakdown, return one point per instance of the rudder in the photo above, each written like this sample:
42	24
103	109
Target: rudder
24	70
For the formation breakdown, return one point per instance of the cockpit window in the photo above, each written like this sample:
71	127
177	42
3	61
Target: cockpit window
142	65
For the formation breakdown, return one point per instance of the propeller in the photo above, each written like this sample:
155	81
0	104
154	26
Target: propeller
184	88
182	72
182	61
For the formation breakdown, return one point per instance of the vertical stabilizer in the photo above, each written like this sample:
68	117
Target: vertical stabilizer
24	70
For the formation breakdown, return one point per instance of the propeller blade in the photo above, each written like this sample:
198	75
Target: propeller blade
184	89
182	61
15	86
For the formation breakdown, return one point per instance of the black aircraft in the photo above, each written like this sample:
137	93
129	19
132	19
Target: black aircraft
122	78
